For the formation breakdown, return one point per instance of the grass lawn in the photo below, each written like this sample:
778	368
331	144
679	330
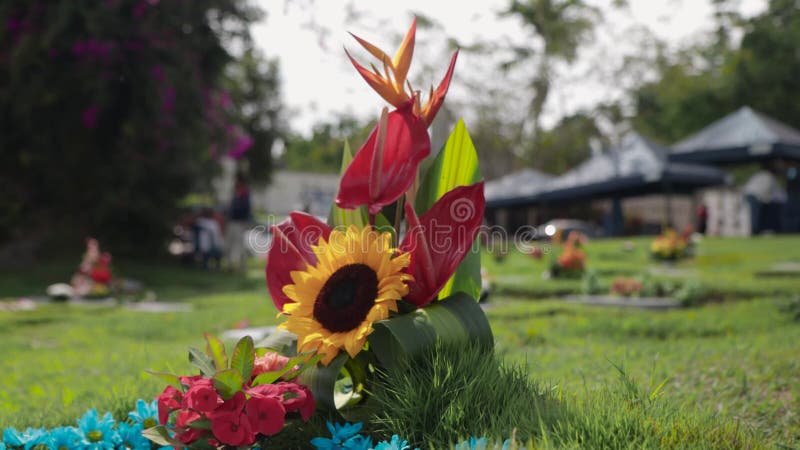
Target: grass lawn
735	358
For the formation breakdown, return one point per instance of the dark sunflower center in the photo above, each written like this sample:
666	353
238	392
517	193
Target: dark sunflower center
346	298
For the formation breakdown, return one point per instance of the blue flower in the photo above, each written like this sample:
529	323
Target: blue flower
65	437
146	414
394	444
131	436
343	437
481	444
31	437
98	431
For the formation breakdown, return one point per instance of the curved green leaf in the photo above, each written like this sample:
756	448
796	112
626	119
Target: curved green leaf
228	382
202	362
456	318
244	356
216	350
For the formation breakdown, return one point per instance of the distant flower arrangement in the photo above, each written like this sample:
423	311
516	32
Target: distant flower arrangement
93	277
569	259
626	287
671	245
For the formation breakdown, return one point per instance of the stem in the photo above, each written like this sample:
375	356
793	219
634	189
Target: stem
398	213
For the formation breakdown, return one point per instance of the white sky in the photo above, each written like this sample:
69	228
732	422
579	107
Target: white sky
318	80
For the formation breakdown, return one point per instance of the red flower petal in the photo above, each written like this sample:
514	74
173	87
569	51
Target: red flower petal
291	250
266	415
433	104
407	143
440	239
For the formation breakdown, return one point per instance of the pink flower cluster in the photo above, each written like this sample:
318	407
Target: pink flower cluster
200	413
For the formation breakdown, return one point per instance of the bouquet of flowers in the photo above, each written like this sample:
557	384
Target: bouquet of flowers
626	287
570	262
394	270
93	277
396	267
670	245
236	401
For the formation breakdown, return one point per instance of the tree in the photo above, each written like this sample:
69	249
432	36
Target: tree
322	152
111	111
561	25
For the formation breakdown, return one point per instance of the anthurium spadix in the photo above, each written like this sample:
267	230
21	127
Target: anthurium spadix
440	239
386	165
389	83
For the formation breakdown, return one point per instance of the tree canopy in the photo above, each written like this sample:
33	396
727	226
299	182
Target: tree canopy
112	110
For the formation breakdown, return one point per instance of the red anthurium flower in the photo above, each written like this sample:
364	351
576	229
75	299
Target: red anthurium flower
291	250
386	165
440	239
390	83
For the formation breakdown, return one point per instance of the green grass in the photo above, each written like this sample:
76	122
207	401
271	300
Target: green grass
730	365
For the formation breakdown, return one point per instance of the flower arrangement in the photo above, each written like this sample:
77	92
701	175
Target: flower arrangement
670	246
626	287
570	261
394	270
239	400
399	240
93	277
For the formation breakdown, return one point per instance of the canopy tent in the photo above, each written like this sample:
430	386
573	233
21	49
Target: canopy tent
740	137
637	166
523	183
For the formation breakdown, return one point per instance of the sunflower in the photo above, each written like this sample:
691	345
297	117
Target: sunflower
358	279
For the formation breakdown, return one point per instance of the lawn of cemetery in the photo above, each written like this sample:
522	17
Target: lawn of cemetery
716	370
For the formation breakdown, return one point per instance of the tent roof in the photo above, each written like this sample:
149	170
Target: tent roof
742	136
521	183
637	166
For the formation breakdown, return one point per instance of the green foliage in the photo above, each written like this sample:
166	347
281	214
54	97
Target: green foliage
705	82
322	152
112	111
451	392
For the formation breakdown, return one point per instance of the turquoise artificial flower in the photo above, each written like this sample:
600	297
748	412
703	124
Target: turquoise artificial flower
65	437
394	444
343	437
481	444
131	436
98	431
146	414
25	440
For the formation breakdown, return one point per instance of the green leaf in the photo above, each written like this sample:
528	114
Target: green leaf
455	165
216	350
244	356
171	379
456	318
303	361
280	341
345	217
228	382
160	435
202	362
340	385
200	424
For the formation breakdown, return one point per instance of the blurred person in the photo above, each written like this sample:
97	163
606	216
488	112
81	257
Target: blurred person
239	220
702	218
208	238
